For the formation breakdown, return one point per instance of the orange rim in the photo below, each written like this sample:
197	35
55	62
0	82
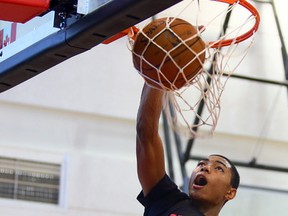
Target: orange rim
244	36
132	31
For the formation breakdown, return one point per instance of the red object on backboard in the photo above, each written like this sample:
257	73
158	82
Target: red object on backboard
22	11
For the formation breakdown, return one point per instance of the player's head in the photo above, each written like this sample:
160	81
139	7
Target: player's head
214	180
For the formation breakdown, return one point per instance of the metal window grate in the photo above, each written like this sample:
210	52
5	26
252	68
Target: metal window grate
29	180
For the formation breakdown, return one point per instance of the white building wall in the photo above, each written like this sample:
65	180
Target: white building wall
96	152
82	114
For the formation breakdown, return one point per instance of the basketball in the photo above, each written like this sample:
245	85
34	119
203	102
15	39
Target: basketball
168	53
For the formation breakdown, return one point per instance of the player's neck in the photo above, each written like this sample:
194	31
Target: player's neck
209	210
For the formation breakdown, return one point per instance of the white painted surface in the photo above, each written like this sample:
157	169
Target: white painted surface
83	111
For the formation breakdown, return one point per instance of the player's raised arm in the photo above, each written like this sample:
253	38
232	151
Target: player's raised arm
149	147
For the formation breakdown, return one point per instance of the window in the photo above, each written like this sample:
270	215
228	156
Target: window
29	180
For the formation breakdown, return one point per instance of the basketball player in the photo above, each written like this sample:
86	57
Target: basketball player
213	182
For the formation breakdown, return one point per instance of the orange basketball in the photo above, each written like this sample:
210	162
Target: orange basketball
168	52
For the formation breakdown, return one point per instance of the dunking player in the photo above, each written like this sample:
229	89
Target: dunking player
213	182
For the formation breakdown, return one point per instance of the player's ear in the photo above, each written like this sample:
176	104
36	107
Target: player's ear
231	194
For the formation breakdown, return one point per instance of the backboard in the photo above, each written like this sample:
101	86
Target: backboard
65	30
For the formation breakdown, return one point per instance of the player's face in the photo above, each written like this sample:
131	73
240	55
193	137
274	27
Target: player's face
210	181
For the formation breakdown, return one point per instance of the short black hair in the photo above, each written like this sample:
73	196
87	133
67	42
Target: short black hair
235	179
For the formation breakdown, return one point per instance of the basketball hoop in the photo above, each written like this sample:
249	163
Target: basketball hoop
222	56
214	44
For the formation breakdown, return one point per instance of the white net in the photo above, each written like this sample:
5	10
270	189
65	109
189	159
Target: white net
193	105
